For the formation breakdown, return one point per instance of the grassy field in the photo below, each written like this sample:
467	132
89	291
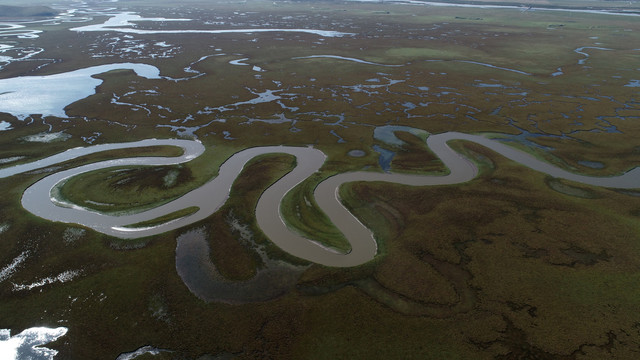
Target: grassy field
511	265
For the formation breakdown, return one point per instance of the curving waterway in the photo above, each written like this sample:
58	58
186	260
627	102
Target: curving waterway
211	196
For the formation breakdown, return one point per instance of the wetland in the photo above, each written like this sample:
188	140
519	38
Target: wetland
283	180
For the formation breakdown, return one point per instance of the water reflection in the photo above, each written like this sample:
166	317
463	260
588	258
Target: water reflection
27	344
203	279
26	95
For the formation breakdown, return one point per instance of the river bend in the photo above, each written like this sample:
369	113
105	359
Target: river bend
212	195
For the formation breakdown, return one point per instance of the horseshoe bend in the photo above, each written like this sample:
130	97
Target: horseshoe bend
319	179
210	197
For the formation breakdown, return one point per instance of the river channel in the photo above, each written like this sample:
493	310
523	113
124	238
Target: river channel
211	196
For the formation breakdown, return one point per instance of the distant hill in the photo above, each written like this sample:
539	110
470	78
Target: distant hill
8	11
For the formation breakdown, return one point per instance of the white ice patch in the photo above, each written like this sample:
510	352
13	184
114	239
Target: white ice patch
72	235
633	83
4	125
11	268
28	344
239	62
47	137
63	277
10	159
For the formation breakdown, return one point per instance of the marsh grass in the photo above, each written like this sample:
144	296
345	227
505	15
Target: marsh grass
552	274
301	213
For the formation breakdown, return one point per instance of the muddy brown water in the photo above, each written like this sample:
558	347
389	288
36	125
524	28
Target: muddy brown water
211	196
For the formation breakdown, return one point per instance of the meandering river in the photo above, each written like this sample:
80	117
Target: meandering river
211	196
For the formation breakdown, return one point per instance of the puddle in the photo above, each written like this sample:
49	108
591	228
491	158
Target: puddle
591	164
356	153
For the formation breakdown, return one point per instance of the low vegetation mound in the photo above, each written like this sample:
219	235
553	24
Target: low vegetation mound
9	11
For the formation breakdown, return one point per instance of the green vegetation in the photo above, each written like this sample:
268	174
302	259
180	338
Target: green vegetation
300	211
513	264
232	254
149	186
